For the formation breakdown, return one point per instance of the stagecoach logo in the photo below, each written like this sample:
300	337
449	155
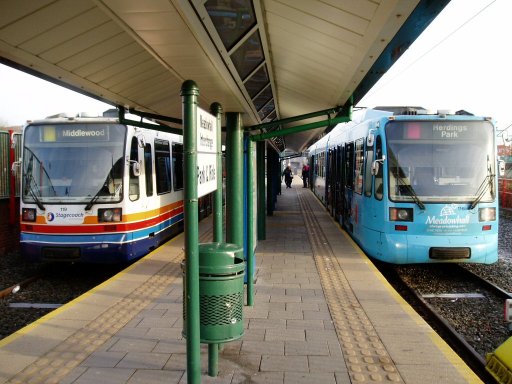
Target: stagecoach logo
447	221
65	215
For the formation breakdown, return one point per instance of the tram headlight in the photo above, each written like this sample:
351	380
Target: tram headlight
487	214
28	214
400	214
108	215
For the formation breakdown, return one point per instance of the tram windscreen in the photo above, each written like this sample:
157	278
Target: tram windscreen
73	163
441	161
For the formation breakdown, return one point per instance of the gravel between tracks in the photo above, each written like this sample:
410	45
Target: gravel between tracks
479	320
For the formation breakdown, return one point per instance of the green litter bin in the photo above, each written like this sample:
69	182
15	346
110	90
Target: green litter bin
221	292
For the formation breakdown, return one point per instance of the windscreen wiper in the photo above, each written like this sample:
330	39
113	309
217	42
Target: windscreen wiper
93	200
486	184
97	195
412	192
30	190
482	189
36	199
28	187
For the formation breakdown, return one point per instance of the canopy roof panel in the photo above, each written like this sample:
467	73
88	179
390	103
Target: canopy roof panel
269	59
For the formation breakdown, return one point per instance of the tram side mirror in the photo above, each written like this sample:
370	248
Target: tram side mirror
142	141
135	168
501	167
375	168
376	165
370	139
15	167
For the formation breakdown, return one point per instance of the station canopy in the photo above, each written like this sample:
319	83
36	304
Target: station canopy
268	59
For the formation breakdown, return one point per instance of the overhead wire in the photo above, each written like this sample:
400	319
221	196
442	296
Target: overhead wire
432	48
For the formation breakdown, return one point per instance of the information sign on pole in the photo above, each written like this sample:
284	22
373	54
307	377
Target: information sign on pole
206	152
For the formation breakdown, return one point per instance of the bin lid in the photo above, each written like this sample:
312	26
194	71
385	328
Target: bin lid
220	258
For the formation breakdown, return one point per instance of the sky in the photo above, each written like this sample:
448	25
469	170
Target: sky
461	61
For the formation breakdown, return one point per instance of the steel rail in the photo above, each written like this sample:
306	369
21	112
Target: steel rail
472	358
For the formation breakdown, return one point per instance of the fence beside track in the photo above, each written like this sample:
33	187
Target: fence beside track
505	194
10	151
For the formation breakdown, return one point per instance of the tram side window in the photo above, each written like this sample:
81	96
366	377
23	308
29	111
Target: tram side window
319	170
162	166
349	165
324	164
134	180
148	169
320	164
177	165
368	171
358	166
378	177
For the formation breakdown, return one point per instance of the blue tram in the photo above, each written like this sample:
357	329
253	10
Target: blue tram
413	187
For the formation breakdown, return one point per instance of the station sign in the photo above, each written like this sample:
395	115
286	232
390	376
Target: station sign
206	152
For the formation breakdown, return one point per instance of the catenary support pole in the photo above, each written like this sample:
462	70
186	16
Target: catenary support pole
251	241
260	175
218	222
189	94
234	179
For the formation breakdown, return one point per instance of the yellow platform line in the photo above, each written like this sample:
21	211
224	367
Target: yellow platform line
445	349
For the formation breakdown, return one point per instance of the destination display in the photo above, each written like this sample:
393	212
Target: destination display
74	133
446	130
450	131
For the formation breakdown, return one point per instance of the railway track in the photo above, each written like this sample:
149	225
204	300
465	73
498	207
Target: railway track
45	286
41	289
13	289
455	301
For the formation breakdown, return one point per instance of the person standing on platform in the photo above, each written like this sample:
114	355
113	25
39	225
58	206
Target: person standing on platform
305	175
287	173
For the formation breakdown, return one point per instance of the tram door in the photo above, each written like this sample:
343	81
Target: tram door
337	189
331	177
348	186
140	187
312	172
373	196
328	173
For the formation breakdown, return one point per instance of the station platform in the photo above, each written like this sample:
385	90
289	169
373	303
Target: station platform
322	314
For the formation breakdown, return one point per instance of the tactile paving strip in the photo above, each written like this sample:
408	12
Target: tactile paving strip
366	357
56	364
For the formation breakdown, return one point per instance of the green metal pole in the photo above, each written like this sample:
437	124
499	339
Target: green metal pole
216	110
260	174
189	94
271	180
234	179
213	359
250	222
